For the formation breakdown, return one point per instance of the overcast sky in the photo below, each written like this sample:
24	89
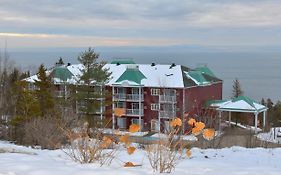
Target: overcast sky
83	23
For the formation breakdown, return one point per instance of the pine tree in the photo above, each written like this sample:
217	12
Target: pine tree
269	104
44	92
92	81
263	102
236	91
60	62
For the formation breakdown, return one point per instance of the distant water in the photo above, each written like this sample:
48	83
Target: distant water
259	73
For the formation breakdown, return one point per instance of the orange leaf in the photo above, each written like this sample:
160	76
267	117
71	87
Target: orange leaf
119	112
176	122
188	153
208	134
134	128
191	121
106	142
131	150
129	164
199	126
125	139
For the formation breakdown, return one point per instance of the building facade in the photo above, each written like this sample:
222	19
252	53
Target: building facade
149	94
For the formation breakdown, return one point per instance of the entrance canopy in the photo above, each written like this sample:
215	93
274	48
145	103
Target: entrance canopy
240	104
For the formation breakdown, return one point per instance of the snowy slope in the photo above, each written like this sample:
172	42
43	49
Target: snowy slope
235	160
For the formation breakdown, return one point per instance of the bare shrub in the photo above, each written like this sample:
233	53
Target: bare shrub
47	132
85	149
166	154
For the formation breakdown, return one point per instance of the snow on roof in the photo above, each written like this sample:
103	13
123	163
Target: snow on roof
156	76
242	103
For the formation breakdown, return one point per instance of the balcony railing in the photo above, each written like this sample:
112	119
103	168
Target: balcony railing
167	98
134	112
62	93
128	97
167	114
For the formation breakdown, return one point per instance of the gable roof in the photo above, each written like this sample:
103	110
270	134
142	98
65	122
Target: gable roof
61	73
131	74
242	104
159	75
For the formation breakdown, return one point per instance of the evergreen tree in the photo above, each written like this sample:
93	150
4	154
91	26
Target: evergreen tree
60	62
236	91
91	88
44	92
263	102
269	103
27	105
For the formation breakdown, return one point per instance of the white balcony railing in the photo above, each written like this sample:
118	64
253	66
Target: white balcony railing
167	98
134	112
62	93
167	114
128	97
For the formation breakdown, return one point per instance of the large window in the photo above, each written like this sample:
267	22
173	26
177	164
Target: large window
155	106
155	91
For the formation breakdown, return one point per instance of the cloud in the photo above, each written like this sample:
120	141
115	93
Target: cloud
178	21
45	40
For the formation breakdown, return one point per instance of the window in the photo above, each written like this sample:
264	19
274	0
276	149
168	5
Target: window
120	105
136	121
155	106
155	91
121	123
136	91
169	92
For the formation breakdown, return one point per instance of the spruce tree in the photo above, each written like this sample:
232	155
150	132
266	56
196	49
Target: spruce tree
91	86
44	92
60	62
236	91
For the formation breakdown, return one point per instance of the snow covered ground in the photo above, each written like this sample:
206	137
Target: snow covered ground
19	160
274	135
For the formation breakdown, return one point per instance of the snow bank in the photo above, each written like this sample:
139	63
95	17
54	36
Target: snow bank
230	161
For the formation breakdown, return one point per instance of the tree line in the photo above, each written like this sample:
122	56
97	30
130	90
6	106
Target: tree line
33	114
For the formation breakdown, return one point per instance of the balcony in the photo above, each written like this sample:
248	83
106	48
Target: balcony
167	114
62	94
128	97
134	112
167	99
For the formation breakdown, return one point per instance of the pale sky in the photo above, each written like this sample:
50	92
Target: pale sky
84	23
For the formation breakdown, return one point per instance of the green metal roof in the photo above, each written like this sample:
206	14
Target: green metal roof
198	76
123	61
62	73
246	99
205	70
132	74
210	102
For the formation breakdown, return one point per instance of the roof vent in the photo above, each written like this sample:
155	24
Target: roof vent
153	64
172	65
